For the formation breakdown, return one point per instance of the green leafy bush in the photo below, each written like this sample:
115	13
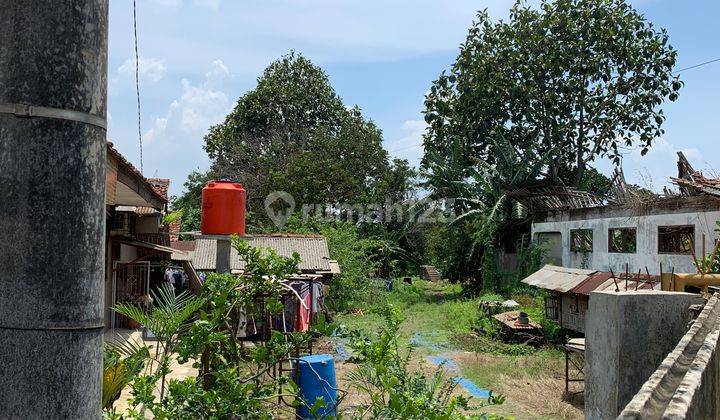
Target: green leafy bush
234	381
392	391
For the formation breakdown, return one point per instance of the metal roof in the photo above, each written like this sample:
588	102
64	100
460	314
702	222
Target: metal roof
334	267
313	250
559	279
142	244
582	282
593	282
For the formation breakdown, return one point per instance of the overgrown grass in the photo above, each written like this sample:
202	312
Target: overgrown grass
438	313
444	321
488	369
434	311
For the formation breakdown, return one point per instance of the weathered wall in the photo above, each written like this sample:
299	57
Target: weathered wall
628	334
687	383
574	319
128	253
647	240
147	224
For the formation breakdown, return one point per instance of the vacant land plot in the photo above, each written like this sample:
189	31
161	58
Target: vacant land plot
439	325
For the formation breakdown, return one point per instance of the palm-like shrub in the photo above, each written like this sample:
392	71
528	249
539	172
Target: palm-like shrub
167	319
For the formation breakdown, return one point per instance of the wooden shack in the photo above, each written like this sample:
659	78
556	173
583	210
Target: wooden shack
569	291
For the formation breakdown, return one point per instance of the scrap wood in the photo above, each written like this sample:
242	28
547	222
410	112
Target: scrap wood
692	182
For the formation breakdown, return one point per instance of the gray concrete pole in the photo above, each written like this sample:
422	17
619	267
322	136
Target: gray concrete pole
53	57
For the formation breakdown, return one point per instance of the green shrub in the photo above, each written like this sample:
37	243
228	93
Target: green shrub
391	390
490	297
236	380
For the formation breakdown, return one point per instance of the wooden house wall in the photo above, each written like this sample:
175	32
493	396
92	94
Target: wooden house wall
574	308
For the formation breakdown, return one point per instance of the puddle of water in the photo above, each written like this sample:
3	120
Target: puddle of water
341	351
446	362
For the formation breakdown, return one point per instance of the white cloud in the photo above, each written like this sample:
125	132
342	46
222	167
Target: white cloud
410	145
150	70
217	74
199	106
174	142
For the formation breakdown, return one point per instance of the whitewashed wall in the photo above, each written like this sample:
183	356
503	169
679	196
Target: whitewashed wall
647	240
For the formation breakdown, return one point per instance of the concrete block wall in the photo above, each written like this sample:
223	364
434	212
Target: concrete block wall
687	383
628	334
647	240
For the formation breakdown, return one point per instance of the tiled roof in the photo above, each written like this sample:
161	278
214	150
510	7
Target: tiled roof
129	166
183	245
174	230
313	250
160	185
147	211
692	182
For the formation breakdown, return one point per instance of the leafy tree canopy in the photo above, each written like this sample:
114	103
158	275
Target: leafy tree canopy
562	83
293	133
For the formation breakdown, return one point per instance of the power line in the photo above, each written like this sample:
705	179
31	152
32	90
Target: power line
137	84
697	65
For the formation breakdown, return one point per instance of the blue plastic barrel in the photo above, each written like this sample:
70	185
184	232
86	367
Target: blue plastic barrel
317	379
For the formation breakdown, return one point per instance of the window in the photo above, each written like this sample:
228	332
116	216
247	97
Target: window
676	239
575	304
622	240
121	221
552	304
581	240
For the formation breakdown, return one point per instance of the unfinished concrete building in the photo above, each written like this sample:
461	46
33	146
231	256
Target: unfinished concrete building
634	231
665	231
629	333
686	384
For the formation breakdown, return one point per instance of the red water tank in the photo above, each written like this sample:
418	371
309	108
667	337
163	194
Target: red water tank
223	208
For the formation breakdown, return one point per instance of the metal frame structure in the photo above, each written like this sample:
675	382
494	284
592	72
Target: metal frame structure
117	265
574	357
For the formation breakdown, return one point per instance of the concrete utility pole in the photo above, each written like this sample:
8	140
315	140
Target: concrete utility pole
53	94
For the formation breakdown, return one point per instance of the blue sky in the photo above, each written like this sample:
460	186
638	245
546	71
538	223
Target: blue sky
197	57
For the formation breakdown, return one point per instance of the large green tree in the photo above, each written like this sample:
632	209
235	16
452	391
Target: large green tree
534	100
563	83
293	133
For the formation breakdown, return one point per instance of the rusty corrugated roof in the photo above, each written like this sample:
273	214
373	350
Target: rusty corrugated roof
559	279
602	280
592	283
313	250
631	285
